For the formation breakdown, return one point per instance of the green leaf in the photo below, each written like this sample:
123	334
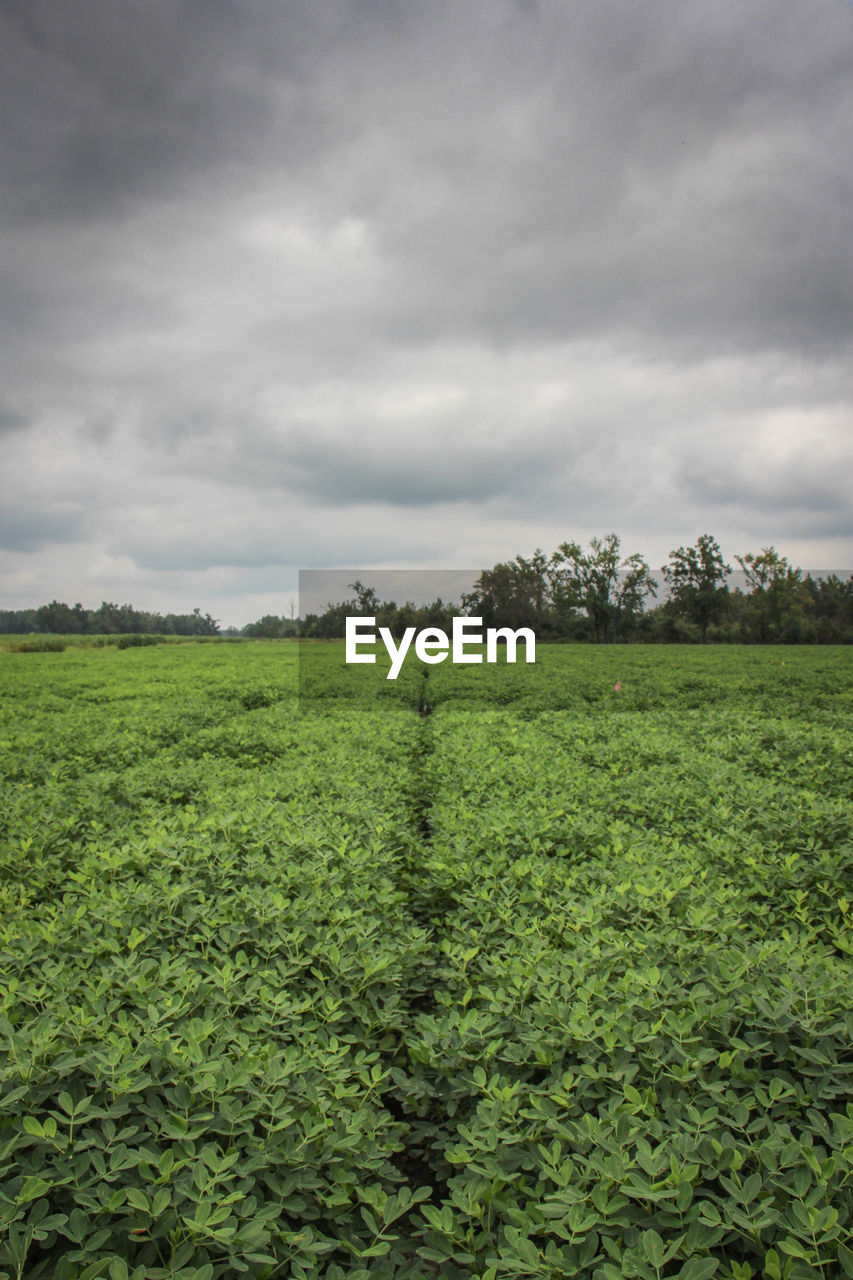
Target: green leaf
683	1196
793	1248
138	1199
377	1250
698	1269
32	1189
161	1201
94	1269
772	1265
653	1248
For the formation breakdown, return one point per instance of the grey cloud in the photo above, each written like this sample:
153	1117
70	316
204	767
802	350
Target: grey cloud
355	472
677	180
12	418
668	174
575	243
810	505
257	559
180	555
109	104
32	529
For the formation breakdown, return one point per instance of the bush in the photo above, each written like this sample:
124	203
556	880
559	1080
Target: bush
134	641
39	644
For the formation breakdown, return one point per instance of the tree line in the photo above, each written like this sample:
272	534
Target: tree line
109	619
582	594
598	594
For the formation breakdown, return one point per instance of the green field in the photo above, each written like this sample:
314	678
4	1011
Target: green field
493	972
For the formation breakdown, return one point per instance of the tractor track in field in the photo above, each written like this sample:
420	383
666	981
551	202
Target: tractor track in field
419	1163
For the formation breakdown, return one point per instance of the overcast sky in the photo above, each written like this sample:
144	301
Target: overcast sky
396	283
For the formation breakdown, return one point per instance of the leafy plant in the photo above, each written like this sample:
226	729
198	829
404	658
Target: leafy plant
502	973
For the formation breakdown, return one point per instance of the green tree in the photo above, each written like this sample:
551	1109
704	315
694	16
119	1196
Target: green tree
773	588
269	627
609	589
514	594
829	602
366	600
59	619
697	579
18	621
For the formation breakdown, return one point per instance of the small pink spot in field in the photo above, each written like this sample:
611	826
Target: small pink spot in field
617	688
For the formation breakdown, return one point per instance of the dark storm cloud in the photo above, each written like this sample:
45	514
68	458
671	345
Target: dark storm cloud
12	418
674	177
433	276
816	505
196	549
420	473
671	174
109	103
403	485
26	528
663	172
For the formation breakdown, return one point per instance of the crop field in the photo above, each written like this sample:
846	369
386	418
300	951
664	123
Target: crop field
484	972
